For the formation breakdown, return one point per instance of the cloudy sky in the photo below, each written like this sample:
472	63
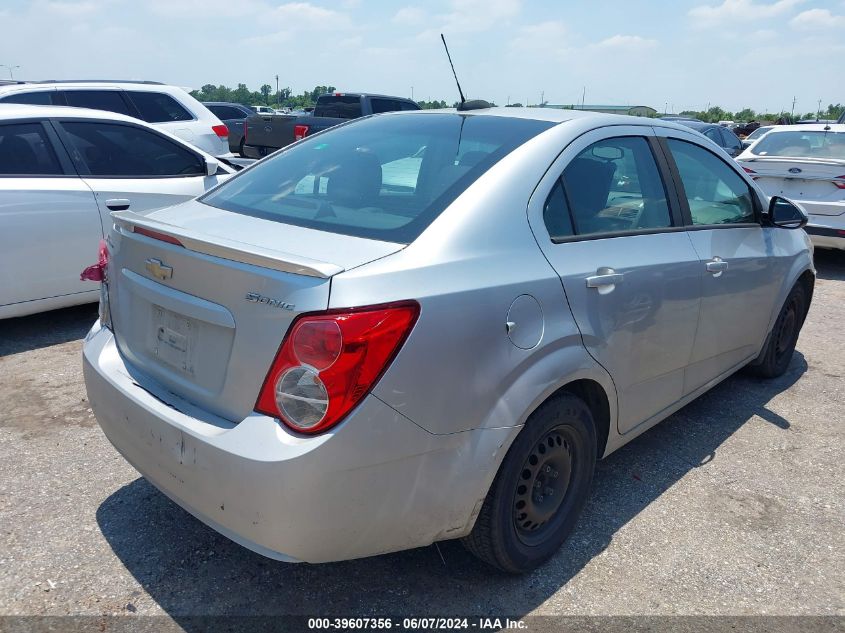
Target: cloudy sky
684	53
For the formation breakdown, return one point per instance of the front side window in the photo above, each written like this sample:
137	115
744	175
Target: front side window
108	100
613	185
716	193
384	178
26	151
157	107
130	152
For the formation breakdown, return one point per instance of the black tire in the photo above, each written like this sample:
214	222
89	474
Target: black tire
520	526
776	355
241	149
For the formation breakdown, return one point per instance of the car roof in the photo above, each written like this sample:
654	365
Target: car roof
55	84
811	127
552	115
17	111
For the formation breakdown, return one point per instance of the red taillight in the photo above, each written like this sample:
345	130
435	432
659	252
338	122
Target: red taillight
156	235
300	132
97	272
749	171
221	130
328	362
840	182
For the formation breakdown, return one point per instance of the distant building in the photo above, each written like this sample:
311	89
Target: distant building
633	110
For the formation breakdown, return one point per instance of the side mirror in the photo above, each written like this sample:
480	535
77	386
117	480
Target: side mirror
786	214
211	166
117	204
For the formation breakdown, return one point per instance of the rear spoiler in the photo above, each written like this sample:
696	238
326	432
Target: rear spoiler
127	221
833	162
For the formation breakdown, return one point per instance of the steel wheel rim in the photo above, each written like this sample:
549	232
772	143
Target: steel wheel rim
786	331
543	486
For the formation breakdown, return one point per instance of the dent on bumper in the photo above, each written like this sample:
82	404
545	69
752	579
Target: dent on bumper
377	483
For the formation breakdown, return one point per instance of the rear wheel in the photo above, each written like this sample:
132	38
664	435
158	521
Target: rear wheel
775	357
241	149
540	489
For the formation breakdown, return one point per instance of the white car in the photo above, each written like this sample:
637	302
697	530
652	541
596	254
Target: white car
260	109
62	171
167	107
806	164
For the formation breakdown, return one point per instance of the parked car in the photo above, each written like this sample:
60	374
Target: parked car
260	109
167	107
720	135
756	134
362	343
265	134
808	165
233	116
61	171
744	129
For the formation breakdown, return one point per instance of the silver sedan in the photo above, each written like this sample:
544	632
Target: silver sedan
430	325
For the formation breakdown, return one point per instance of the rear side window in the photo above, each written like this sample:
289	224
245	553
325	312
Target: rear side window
130	152
716	193
157	107
40	97
613	185
340	107
109	100
225	113
731	140
384	178
26	151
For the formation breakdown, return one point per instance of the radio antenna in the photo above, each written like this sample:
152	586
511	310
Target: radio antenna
460	92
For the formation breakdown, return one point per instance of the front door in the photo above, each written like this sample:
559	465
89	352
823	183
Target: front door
740	272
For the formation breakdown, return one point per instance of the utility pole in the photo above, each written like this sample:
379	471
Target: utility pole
11	68
542	98
665	108
278	94
819	111
792	114
583	96
412	93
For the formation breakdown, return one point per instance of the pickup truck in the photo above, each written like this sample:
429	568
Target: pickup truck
265	133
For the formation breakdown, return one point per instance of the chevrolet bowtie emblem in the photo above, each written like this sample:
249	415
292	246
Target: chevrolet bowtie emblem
158	269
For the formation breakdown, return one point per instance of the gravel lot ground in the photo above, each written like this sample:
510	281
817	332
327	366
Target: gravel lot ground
735	505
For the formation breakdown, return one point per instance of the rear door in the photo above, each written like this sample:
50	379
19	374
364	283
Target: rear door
742	263
49	223
122	160
609	225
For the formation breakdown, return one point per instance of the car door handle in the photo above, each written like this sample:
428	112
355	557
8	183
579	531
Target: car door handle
605	280
716	266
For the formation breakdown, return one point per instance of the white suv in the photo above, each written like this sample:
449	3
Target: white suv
167	107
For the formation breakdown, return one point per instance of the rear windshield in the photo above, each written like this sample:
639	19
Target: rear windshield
802	144
385	177
338	107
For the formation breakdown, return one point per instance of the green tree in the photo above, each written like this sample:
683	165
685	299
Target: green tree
265	90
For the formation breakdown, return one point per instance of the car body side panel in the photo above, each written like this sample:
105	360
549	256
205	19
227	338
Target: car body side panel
49	231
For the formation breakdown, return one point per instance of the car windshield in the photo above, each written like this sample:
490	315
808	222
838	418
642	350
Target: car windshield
757	133
385	177
802	144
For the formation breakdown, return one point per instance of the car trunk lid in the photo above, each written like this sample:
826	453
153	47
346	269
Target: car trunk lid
201	298
812	180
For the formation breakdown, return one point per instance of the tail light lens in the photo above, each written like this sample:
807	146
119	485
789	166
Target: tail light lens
221	130
840	182
300	132
749	171
329	361
97	272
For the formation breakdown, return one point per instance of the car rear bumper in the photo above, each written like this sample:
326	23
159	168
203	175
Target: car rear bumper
827	231
255	151
377	483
